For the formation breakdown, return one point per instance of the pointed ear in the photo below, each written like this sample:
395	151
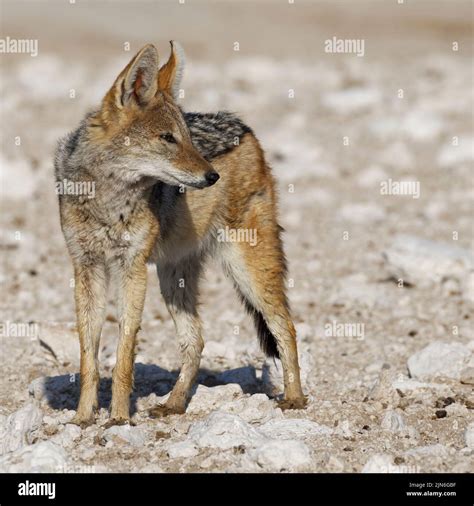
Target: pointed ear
137	83
171	73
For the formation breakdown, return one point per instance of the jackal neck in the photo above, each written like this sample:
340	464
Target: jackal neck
117	200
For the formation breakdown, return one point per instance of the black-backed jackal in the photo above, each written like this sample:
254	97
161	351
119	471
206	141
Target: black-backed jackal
142	153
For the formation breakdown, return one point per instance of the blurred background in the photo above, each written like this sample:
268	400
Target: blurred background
335	127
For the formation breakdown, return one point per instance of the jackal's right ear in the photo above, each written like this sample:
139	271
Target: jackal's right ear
171	73
137	83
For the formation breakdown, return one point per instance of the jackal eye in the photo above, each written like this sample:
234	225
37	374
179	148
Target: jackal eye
168	138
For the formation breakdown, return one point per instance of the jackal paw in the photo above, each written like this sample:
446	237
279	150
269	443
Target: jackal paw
117	421
298	403
162	410
83	422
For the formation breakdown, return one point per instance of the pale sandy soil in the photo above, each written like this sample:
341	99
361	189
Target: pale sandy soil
338	226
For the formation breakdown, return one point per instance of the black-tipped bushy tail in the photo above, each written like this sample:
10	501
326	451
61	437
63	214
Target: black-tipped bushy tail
266	338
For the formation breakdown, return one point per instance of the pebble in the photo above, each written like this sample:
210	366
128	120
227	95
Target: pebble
211	398
43	457
183	449
135	436
16	429
439	359
225	431
379	463
284	455
425	263
469	435
294	428
393	421
67	436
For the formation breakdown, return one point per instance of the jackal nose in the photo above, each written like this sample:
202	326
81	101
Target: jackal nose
211	177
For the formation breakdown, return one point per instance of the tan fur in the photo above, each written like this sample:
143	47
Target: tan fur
114	235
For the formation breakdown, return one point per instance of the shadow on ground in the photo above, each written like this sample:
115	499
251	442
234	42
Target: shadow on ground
62	392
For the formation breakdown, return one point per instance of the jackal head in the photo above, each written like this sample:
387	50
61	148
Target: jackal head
140	129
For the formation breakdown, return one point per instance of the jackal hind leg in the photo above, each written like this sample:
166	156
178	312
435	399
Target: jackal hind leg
258	270
179	286
90	299
131	281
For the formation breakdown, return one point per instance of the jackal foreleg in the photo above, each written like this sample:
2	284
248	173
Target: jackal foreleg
131	288
179	286
90	296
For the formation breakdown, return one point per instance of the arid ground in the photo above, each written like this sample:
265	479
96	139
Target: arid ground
380	273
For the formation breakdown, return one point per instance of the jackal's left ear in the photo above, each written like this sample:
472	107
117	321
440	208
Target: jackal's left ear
140	79
137	83
171	73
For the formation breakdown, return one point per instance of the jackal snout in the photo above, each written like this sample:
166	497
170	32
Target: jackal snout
187	165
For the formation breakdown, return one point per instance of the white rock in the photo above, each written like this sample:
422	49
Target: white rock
50	420
294	428
436	450
217	350
379	463
88	453
439	359
469	435
407	385
393	421
66	416
151	468
426	263
224	431
16	430
67	436
211	398
54	386
457	409
37	388
208	462
286	455
335	465
183	449
382	389
256	408
467	376
126	433
344	429
43	457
